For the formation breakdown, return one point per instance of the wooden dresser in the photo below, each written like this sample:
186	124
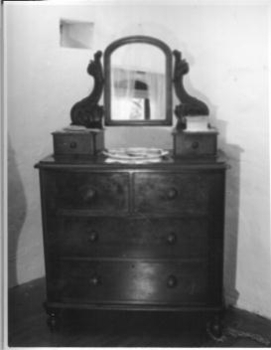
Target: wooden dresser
133	237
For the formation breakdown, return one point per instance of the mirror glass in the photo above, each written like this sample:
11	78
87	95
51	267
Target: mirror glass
137	84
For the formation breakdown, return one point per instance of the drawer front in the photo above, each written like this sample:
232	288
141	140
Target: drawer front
124	237
78	143
172	193
195	144
102	192
133	281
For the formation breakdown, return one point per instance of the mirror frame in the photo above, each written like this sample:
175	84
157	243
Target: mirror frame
107	81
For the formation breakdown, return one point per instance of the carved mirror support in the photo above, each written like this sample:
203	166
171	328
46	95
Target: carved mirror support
87	112
189	106
138	86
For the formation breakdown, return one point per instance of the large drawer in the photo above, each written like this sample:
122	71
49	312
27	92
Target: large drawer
131	237
148	282
97	192
172	193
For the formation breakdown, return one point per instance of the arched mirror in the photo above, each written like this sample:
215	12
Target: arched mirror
138	82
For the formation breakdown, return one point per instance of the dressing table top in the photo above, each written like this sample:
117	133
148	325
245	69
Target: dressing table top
99	161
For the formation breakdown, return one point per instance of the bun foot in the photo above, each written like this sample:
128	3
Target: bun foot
53	322
53	318
215	329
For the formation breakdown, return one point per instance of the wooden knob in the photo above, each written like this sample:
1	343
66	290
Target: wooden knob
171	238
172	281
73	144
93	237
95	280
89	195
195	145
172	193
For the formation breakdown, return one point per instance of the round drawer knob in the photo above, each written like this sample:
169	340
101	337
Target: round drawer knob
172	281
73	144
95	280
171	238
89	195
195	145
93	237
172	193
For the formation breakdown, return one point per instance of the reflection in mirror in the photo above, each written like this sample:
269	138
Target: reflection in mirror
138	83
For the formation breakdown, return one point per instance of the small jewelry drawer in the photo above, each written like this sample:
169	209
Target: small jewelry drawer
119	281
132	237
195	144
93	191
77	143
172	193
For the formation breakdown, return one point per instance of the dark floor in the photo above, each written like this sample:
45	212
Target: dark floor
27	326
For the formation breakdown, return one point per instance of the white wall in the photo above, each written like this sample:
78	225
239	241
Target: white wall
227	50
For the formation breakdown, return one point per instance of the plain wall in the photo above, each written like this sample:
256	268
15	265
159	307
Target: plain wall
226	47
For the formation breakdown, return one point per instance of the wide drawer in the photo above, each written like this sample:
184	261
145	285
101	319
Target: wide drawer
102	192
132	237
148	282
172	193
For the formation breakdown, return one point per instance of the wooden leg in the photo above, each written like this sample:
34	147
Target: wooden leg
53	317
215	328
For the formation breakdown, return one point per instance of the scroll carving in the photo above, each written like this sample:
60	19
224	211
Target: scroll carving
189	106
87	112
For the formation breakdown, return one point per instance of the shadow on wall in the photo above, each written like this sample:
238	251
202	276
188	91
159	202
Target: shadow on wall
16	213
232	202
232	205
